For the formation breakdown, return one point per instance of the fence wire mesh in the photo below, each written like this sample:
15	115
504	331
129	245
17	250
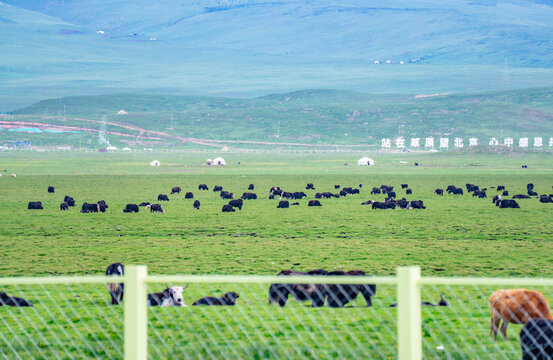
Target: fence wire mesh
255	329
78	320
65	321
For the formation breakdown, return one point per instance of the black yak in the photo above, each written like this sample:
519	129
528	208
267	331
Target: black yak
228	299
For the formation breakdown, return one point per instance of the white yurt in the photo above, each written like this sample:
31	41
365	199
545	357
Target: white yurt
122	112
365	161
112	148
219	161
155	163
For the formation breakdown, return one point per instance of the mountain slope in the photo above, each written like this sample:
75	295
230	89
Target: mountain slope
438	32
250	48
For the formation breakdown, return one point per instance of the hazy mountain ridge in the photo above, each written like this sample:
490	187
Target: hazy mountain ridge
55	48
467	33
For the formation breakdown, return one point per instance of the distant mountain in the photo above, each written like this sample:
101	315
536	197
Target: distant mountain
437	32
246	47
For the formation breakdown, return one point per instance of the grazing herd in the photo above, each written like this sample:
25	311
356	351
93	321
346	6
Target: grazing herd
498	200
389	202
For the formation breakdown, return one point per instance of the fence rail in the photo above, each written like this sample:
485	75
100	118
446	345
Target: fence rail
71	317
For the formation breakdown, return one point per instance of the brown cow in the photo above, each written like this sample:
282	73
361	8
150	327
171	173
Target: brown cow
516	306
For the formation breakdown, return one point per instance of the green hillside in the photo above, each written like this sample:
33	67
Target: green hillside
310	116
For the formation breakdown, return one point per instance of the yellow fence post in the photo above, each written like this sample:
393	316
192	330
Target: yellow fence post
136	316
409	313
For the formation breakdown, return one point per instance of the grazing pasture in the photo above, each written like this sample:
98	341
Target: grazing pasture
456	235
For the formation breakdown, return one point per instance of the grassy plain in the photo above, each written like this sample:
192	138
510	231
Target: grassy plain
454	236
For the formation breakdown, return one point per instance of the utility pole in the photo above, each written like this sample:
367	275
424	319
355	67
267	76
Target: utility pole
172	117
63	112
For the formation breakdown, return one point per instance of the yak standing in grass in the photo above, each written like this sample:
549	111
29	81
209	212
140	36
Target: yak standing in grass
238	203
228	208
69	200
116	290
339	295
34	205
314	203
131	208
278	293
155	208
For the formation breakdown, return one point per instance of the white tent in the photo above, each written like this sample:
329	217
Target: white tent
155	163
219	161
112	148
122	112
209	161
365	161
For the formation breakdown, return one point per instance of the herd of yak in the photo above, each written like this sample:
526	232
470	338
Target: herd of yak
519	306
390	202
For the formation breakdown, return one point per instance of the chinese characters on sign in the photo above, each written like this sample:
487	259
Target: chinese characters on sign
459	142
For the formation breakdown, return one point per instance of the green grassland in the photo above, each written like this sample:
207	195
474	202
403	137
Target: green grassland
454	236
311	116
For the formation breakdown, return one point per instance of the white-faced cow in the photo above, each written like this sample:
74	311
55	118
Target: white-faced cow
171	296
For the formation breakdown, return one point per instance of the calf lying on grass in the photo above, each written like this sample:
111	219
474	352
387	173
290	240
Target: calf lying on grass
442	302
13	301
171	296
227	299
